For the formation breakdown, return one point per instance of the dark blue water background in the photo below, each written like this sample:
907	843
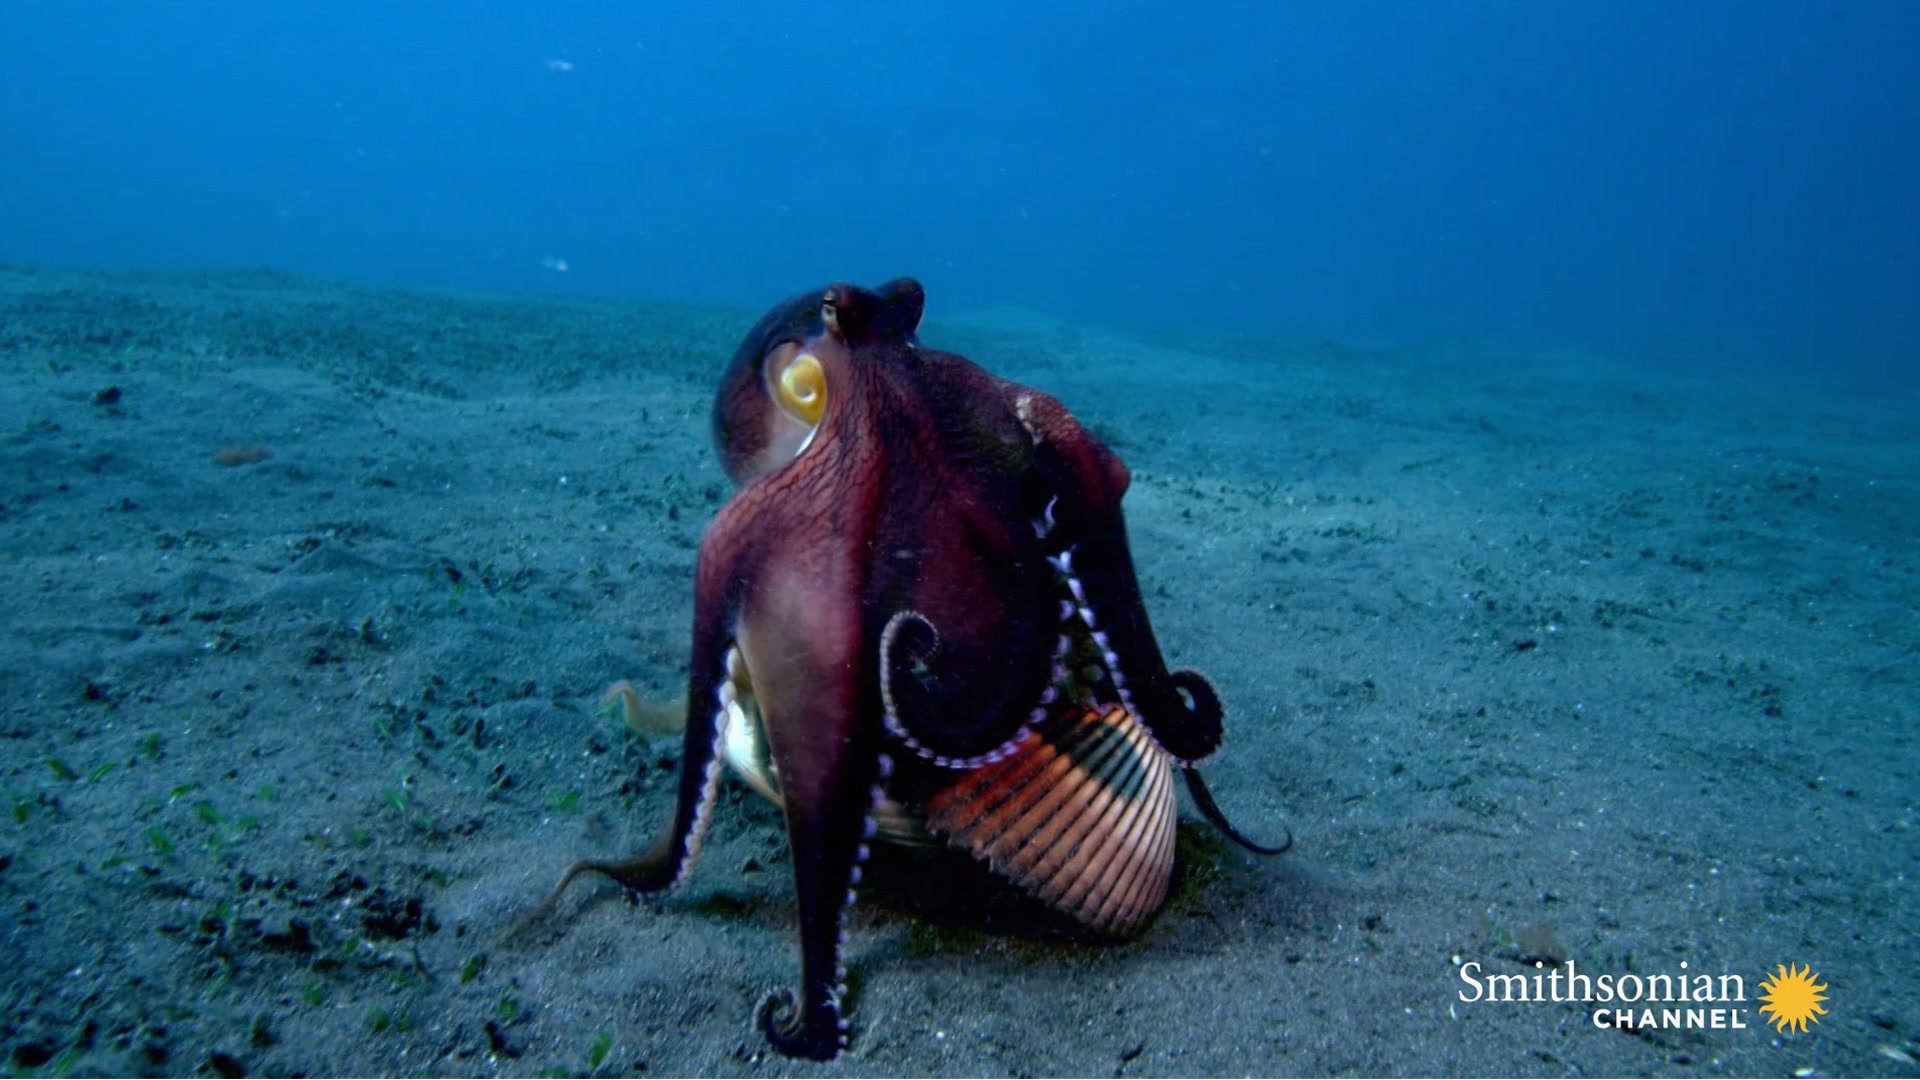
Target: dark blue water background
1735	181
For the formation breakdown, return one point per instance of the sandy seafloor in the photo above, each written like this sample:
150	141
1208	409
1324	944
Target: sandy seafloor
1537	656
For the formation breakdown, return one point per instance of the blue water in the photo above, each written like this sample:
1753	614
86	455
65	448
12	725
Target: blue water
1735	179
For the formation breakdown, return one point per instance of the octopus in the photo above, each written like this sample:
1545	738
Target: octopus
917	621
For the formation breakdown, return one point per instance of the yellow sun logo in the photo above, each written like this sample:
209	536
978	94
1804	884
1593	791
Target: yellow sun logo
1793	997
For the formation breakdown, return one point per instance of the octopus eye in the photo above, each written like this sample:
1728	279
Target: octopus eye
830	314
798	383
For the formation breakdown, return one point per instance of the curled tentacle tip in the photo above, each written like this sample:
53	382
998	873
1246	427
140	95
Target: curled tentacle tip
781	1021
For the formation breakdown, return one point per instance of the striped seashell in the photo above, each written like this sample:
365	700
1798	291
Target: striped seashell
1080	816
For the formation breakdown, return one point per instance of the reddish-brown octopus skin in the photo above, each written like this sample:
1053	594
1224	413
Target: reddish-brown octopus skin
899	578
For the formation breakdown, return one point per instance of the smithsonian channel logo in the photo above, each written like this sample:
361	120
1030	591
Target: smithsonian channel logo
1789	999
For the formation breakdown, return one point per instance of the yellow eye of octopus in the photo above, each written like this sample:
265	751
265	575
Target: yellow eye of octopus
801	388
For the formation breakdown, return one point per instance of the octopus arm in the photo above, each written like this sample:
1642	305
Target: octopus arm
711	696
1088	534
